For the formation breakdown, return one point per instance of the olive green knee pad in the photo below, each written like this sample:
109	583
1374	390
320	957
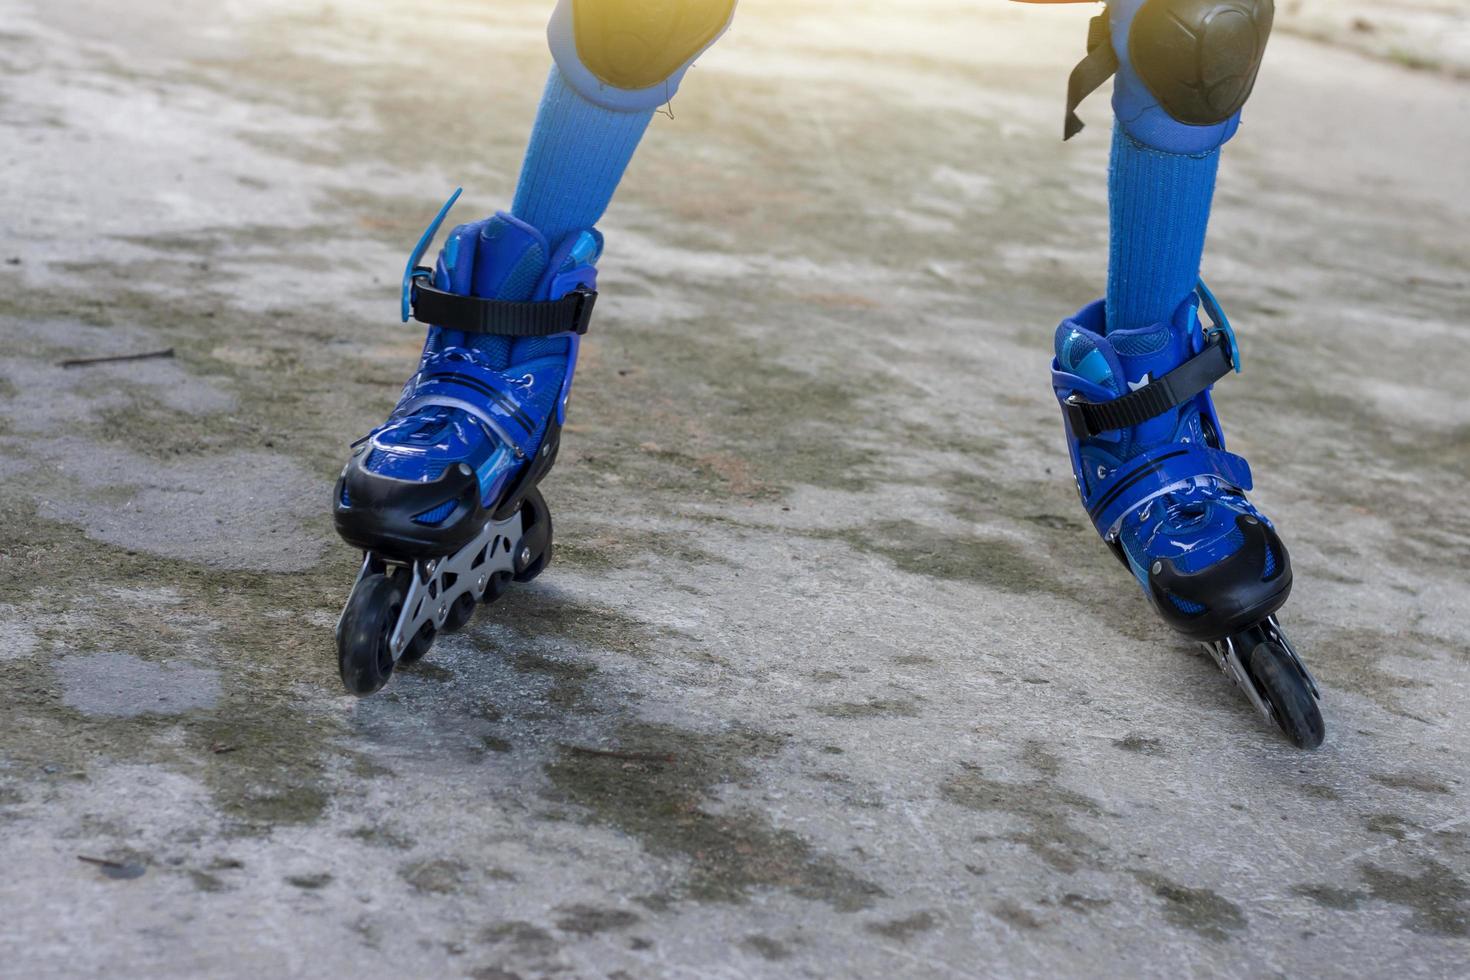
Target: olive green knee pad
631	54
1199	58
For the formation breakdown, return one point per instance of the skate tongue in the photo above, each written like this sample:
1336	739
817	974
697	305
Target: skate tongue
1148	353
1125	360
510	258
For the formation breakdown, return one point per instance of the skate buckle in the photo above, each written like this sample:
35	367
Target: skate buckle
1219	324
414	271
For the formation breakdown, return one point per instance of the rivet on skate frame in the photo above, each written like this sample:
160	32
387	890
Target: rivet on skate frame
525	556
1158	568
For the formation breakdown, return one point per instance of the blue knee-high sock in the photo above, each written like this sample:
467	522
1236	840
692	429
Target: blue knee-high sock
1159	207
577	157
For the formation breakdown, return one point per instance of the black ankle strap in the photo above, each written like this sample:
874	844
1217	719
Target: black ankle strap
504	318
1089	419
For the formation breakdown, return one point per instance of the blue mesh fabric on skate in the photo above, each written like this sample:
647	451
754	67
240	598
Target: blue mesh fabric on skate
437	515
1185	606
1142	345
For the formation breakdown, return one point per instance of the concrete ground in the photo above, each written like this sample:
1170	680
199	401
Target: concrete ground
830	677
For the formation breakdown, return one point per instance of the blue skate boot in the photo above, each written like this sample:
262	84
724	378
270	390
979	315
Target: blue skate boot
1149	456
442	497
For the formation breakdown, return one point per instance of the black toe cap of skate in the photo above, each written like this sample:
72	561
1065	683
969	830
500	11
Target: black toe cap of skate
384	515
1230	595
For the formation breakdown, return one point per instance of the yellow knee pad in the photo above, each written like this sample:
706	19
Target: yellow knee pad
630	55
635	44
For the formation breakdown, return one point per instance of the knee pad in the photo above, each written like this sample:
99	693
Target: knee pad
1199	58
630	55
1185	68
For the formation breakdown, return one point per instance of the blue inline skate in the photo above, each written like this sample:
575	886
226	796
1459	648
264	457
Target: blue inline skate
443	497
1151	467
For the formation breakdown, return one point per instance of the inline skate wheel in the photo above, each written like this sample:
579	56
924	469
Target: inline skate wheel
460	613
533	553
364	653
1288	693
418	647
496	587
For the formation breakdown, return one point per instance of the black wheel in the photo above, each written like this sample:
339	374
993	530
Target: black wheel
1288	693
496	587
534	548
364	655
418	647
460	613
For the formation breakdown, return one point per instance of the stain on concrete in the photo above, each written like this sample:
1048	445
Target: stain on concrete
1200	910
1330	897
1141	744
905	928
493	973
767	948
1084	903
310	882
438	876
1358	663
567	692
871	708
1043	805
666	806
1390	824
382	836
1413	782
206	882
1017	917
181	511
920	549
521	937
1438	898
120	685
589	920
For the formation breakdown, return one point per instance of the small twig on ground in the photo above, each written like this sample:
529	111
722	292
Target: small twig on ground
114	358
220	748
100	862
115	869
625	756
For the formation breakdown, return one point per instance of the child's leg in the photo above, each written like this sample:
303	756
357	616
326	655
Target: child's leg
1185	69
617	61
1133	372
443	496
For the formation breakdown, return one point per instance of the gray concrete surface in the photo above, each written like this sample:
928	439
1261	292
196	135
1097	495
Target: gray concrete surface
829	677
